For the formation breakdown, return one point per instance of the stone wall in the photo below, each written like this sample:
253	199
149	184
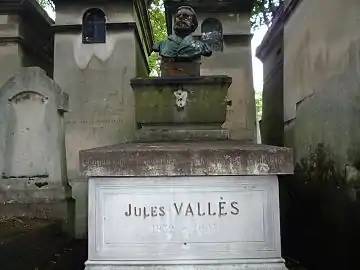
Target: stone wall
320	108
271	53
321	75
234	61
97	78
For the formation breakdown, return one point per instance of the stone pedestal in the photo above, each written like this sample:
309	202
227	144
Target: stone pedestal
181	100
172	67
185	205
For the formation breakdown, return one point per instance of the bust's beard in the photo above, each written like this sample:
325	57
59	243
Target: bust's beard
182	30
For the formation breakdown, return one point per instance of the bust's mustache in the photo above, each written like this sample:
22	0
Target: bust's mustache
182	24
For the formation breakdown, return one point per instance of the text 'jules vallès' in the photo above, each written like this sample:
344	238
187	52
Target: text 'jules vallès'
220	209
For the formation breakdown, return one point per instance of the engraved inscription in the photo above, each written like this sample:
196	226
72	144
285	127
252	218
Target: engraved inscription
196	228
219	209
94	122
182	218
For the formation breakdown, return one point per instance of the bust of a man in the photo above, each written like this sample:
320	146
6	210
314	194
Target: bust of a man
182	45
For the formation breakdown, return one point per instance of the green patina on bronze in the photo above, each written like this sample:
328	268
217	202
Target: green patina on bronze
182	45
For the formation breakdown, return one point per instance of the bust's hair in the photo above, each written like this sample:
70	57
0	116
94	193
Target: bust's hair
194	20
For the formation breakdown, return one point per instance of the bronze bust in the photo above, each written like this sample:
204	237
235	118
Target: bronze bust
182	45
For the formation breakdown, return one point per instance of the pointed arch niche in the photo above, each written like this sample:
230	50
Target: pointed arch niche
94	26
212	34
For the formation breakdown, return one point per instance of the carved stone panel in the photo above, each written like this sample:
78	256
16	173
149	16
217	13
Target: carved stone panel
183	219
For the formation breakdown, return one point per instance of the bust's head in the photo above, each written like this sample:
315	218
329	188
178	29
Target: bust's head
185	21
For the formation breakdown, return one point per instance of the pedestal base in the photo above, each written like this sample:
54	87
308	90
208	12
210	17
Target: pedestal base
188	206
239	265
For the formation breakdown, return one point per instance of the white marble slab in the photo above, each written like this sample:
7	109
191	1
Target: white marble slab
184	221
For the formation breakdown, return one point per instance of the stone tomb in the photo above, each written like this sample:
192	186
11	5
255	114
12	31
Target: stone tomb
186	205
33	180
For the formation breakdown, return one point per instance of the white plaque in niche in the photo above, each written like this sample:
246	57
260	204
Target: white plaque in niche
184	218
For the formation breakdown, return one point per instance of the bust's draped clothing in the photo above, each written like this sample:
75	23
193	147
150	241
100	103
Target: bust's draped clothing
184	48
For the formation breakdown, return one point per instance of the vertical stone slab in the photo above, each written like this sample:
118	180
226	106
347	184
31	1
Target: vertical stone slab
33	180
96	74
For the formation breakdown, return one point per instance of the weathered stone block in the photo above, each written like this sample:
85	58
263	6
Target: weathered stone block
221	211
181	133
228	222
186	158
174	100
32	149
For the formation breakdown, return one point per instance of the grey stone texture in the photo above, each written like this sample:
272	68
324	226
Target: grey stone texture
321	74
271	53
97	76
21	42
32	146
315	77
186	158
270	265
181	133
181	100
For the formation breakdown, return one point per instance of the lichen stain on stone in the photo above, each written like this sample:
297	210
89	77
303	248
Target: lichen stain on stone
41	184
95	170
259	168
83	54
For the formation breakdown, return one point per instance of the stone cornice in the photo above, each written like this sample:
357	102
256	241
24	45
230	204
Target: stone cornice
275	29
144	21
29	8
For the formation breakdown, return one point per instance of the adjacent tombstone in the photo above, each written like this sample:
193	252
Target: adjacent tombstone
33	179
99	46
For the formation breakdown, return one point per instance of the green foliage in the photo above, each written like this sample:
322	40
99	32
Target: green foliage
157	18
258	100
47	3
264	11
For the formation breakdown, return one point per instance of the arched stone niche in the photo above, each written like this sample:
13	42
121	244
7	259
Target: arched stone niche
94	26
212	34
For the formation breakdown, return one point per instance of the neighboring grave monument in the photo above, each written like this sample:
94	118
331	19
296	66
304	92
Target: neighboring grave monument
33	180
21	42
99	46
184	197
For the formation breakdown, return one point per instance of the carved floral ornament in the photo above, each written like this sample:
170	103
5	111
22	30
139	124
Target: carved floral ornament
181	97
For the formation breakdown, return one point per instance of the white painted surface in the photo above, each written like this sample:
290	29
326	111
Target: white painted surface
168	238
